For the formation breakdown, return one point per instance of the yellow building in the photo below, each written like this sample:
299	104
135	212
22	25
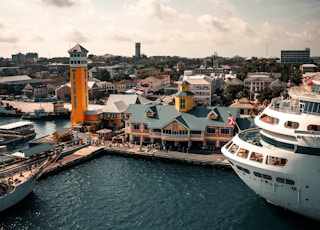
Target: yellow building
184	100
79	84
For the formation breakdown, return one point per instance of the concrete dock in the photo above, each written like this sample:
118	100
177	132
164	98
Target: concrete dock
87	152
212	160
78	156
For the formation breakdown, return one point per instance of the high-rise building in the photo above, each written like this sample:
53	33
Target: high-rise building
79	84
31	55
215	60
138	47
295	57
19	59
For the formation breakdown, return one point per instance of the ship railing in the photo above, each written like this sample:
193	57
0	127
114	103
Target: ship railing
251	136
285	106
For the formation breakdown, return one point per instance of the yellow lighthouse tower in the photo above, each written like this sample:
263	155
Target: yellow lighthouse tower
184	99
79	84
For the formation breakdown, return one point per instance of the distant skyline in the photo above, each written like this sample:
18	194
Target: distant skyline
193	29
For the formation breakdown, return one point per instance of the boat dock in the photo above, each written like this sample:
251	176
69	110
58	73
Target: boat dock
74	158
87	152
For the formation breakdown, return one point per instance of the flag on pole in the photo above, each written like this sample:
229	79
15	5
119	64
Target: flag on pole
231	121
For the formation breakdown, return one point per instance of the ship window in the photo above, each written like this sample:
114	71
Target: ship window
277	143
280	180
258	157
291	125
246	170
312	107
264	176
290	182
285	181
313	127
234	148
239	167
277	161
243	153
257	174
228	144
268	119
243	169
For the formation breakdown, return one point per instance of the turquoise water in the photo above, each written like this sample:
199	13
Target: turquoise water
112	192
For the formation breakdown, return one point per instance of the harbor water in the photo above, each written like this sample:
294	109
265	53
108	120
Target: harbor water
111	192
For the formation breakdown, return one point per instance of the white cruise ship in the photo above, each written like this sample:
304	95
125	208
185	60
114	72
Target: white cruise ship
280	160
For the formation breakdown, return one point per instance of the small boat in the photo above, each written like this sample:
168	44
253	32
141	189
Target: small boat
17	131
39	114
7	110
18	175
59	112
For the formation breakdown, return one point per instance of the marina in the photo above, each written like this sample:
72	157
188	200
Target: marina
114	172
126	193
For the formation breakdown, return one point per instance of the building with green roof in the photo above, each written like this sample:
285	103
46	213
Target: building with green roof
182	125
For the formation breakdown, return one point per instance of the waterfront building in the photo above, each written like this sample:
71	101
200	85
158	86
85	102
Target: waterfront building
295	57
35	90
19	82
183	125
117	105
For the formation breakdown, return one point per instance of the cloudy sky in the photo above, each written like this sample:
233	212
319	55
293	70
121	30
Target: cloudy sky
186	28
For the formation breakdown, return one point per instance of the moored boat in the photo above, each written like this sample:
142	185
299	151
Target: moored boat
7	110
18	176
59	112
38	114
17	131
280	159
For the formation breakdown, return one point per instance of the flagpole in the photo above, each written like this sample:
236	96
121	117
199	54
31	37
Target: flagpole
237	125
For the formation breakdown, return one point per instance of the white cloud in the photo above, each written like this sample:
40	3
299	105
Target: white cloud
151	9
222	6
61	3
7	35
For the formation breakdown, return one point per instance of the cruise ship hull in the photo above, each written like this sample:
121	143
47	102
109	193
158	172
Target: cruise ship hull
292	187
18	194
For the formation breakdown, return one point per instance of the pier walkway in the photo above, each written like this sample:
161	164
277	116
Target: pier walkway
88	152
214	159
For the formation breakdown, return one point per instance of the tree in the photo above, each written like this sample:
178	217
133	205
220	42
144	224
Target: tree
266	95
233	91
104	75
